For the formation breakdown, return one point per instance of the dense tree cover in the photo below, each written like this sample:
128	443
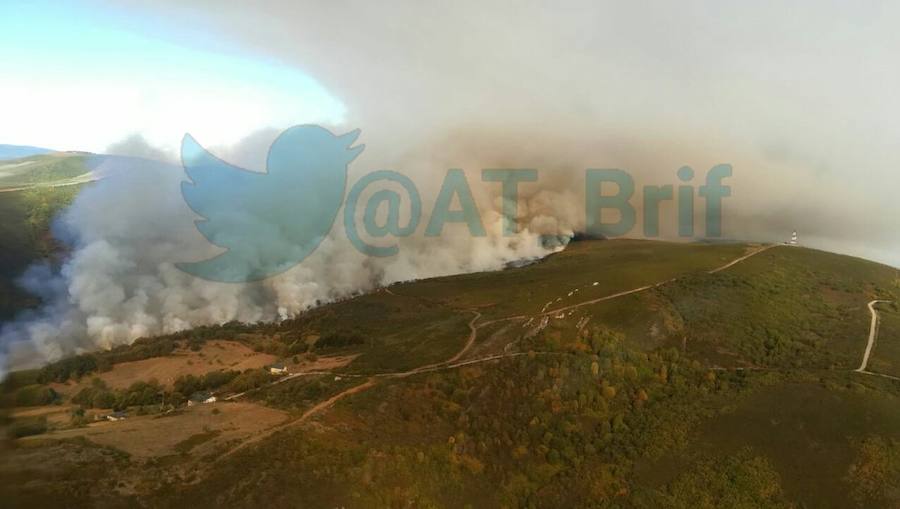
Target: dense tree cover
875	473
35	395
99	395
142	348
18	379
792	308
25	219
43	203
740	481
554	428
70	367
249	380
580	417
206	332
84	364
148	393
88	482
190	384
340	339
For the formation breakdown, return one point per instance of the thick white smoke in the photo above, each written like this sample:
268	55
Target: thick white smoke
128	231
801	103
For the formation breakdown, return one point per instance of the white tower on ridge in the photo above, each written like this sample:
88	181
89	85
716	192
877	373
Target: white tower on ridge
794	240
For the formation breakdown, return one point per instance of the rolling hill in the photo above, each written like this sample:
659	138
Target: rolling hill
616	373
47	170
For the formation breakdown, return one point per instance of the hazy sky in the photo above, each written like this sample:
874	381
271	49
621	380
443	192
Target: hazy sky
801	97
80	77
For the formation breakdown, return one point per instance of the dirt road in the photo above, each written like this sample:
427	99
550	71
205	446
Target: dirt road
451	363
873	334
306	415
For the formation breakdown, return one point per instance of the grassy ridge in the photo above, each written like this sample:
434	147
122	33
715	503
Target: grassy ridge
41	170
784	308
394	333
614	266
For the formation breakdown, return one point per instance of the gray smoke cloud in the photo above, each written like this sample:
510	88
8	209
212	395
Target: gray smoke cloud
801	102
128	231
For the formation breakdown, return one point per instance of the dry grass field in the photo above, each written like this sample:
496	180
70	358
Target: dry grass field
213	356
198	430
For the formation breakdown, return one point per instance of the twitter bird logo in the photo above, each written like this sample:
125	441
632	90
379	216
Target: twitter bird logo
267	222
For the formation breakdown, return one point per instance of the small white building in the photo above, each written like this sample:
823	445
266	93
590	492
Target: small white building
278	369
795	241
201	397
116	416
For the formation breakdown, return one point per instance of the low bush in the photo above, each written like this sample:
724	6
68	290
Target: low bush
35	395
28	426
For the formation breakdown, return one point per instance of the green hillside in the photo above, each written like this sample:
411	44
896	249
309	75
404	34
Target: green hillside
25	218
613	374
32	191
19	249
886	353
42	170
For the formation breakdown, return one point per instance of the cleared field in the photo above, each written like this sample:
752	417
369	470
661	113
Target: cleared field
196	430
215	355
57	415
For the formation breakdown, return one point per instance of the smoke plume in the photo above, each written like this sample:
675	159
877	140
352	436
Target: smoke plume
800	103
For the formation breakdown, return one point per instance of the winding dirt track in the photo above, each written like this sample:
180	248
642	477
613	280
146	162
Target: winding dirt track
300	420
739	260
873	333
451	363
455	362
473	334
